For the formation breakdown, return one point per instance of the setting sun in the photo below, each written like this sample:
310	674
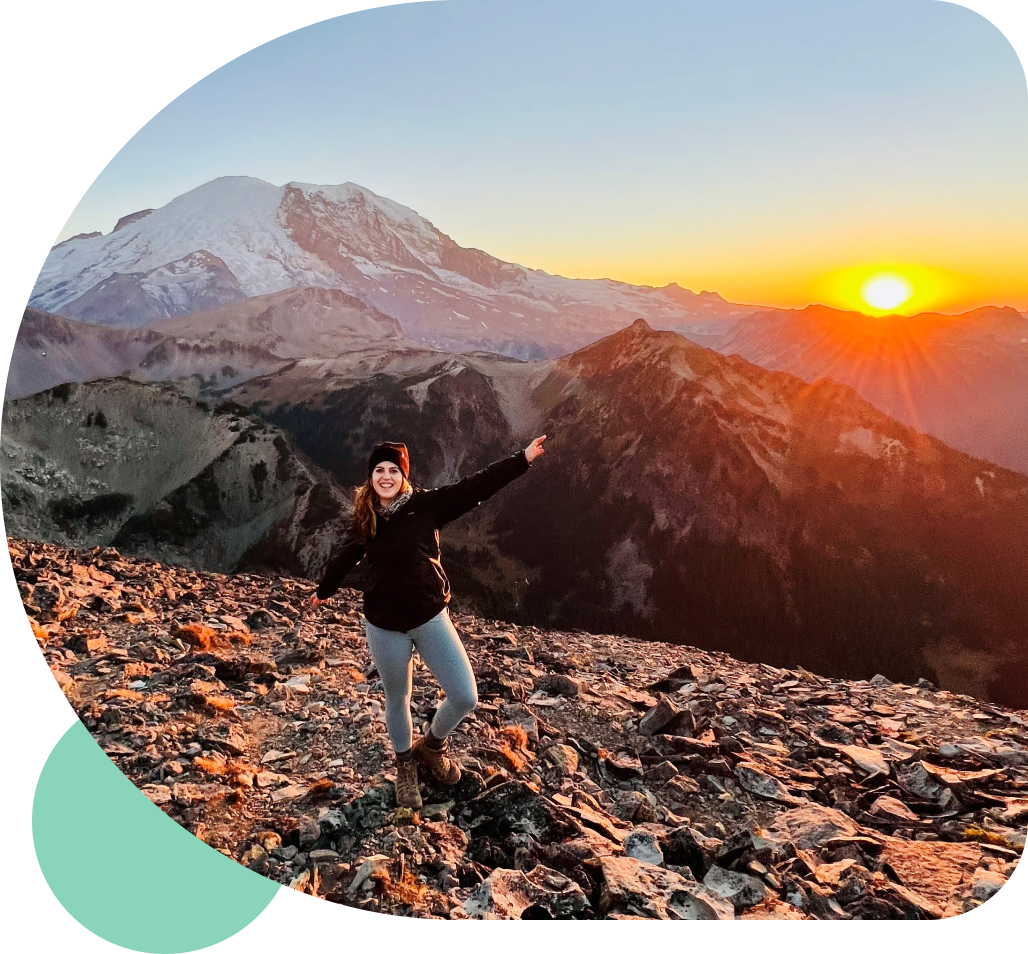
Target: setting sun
886	292
882	288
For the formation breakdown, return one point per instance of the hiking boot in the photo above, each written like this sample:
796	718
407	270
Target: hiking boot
444	769
406	785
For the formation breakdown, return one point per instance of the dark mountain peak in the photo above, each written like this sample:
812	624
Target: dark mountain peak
81	235
132	217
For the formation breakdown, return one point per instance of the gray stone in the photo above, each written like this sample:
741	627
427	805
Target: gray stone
741	890
309	831
643	846
657	893
759	783
985	884
332	822
659	717
563	758
541	893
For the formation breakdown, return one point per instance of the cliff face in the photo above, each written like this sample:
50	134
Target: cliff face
603	776
150	470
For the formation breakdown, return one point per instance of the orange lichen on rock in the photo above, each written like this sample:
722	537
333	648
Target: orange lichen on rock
516	736
321	786
130	694
206	638
41	634
213	764
508	757
196	634
138	670
406	890
219	703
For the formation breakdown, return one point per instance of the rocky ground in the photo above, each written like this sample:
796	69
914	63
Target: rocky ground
604	777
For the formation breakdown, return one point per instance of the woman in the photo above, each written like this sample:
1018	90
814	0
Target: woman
395	532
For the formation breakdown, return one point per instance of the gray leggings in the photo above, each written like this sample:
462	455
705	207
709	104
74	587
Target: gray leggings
443	652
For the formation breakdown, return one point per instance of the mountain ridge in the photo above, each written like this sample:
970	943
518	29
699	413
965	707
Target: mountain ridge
962	378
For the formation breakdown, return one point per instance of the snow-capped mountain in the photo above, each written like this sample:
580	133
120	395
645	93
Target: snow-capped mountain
240	237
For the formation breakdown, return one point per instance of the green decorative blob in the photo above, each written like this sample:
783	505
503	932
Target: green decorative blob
126	871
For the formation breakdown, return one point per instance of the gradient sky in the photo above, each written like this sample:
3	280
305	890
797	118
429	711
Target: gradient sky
751	147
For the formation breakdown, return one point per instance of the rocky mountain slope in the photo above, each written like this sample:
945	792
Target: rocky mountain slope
238	236
961	378
604	777
145	468
757	514
699	497
52	350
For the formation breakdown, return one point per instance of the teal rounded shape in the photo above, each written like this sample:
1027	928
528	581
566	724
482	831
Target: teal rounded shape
126	871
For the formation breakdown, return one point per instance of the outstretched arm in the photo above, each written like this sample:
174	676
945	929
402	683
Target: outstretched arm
350	552
456	499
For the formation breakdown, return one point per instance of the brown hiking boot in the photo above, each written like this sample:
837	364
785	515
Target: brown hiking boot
406	785
444	769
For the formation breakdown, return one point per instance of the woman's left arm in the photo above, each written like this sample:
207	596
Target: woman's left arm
456	499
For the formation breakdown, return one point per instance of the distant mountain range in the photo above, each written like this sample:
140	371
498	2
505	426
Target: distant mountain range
962	378
239	237
206	350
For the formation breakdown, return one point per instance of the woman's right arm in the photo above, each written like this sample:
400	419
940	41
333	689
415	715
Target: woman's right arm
350	553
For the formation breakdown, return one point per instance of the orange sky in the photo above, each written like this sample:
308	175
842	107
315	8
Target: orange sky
952	270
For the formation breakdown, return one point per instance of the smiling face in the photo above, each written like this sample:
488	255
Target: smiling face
386	479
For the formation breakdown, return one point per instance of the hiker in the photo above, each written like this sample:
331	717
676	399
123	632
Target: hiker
395	532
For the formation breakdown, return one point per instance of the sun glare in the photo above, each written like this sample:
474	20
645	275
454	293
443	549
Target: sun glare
886	292
887	288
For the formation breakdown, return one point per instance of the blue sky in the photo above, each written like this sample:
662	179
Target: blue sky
750	146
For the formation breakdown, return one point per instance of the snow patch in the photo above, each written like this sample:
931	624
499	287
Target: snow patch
871	444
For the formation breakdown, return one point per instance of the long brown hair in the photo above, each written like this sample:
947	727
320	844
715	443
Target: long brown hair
364	498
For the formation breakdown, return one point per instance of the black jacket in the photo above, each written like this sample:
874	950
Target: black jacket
406	583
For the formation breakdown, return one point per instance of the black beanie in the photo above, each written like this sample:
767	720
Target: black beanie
390	451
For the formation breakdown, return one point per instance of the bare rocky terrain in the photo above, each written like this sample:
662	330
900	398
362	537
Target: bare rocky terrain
92	464
604	777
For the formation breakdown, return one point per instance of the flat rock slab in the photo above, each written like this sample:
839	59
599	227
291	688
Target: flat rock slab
752	778
867	760
936	870
810	826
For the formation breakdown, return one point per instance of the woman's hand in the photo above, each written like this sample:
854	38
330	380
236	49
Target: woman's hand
535	449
